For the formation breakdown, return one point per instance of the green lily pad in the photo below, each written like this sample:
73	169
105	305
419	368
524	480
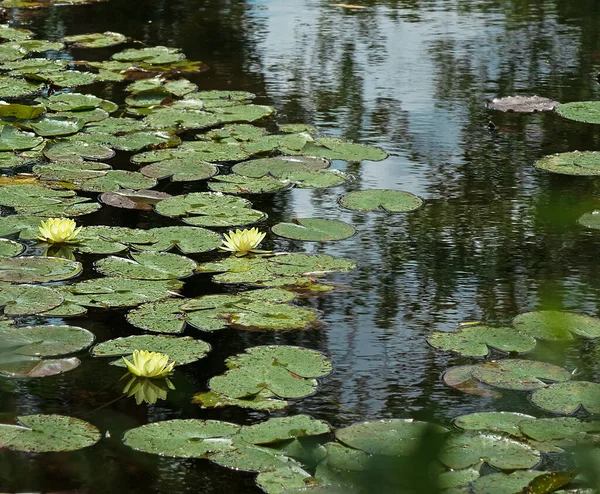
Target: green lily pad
239	132
314	229
281	480
12	139
95	40
283	428
461	378
212	152
476	341
113	180
147	266
187	239
68	78
225	95
180	170
37	269
44	341
390	201
589	220
502	483
555	325
241	113
8	159
319	179
113	125
111	240
580	111
17	88
503	453
26	226
559	428
76	206
22	300
454	480
71	170
191	438
286	371
149	97
44	433
164	316
237	184
259	401
210	209
569	397
66	309
74	150
8	248
575	163
151	55
20	366
181	350
89	116
77	102
52	126
393	437
118	292
21	112
338	149
163	118
142	200
506	422
519	374
14	34
251	458
279	167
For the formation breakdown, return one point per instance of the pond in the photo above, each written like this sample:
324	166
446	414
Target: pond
482	236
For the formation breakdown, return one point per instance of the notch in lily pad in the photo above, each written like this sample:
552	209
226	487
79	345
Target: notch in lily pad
314	230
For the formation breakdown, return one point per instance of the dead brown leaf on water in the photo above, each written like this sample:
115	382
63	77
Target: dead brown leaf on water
348	6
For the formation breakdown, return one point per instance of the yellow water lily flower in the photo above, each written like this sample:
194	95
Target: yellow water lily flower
58	231
149	364
243	241
148	390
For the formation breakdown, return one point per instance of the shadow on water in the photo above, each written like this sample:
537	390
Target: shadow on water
495	237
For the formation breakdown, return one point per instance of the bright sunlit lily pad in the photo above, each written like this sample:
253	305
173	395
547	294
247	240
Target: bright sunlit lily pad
22	300
390	201
555	325
37	269
519	374
95	40
574	163
314	229
567	398
147	266
581	111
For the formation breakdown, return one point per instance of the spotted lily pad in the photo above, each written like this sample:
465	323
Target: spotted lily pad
44	341
390	201
180	170
150	55
16	88
114	180
559	428
8	248
14	34
394	437
575	163
314	229
20	366
52	126
259	401
504	453
280	166
31	195
212	152
71	170
25	226
283	428
519	374
18	111
475	341
285	371
502	422
37	269
555	325
44	433
71	206
181	350
502	483
282	479
210	209
77	102
567	398
461	378
187	239
237	184
95	40
118	292
75	150
147	266
142	200
338	149
191	438
21	300
581	111
522	104
12	139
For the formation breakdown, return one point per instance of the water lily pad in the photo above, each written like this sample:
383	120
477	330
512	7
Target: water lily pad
89	116
237	184
314	229
283	428
43	433
559	428
8	248
394	437
26	226
77	102
251	458
52	126
260	401
163	118
31	195
149	97
279	167
338	149
522	104
187	239
111	240
77	150
319	179
501	483
281	480
21	300
67	78
180	170
210	209
519	374
37	269
581	111
147	266
567	398
239	132
142	200
44	341
241	113
16	88
21	112
476	341
181	350
71	170
286	371
114	180
461	378
151	55
14	34
191	438
113	125
575	163
390	201
8	159
19	366
12	139
66	309
506	422
75	206
95	40
555	325
164	316
118	292
212	152
504	453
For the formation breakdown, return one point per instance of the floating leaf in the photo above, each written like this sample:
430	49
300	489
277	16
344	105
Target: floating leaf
150	55
164	316
187	239
163	118
210	209
147	266
14	34
37	269
43	433
394	437
390	201
283	428
555	325
21	112
68	78
16	88
8	248
113	125
567	398
461	378
74	150
251	458
507	422
71	170
142	200
465	450
180	170
118	292
31	195
44	341
338	149
575	163
53	126
286	371
12	139
26	226
75	206
580	111
279	167
501	483
558	428
77	102
95	40
237	184
24	300
522	104
519	374
114	180
475	341
212	152
314	229
260	401
18	366
281	480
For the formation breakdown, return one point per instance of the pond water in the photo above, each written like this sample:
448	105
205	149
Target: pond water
496	237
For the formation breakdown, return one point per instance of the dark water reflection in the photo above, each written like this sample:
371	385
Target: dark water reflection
495	238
